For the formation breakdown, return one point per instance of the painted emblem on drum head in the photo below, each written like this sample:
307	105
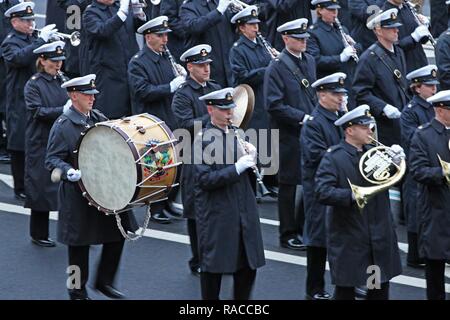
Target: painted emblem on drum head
156	159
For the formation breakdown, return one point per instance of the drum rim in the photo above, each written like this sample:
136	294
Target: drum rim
135	155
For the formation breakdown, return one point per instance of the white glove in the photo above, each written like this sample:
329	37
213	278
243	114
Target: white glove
181	70
347	53
307	117
399	154
251	149
223	6
424	20
420	32
67	105
47	32
73	175
124	5
343	106
175	83
244	163
137	8
391	112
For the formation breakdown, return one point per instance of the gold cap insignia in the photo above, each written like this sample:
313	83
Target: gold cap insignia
393	16
165	24
59	50
203	53
229	97
29	10
93	84
341	81
433	73
254	14
304	26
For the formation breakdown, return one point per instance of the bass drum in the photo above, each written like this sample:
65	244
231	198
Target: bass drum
127	162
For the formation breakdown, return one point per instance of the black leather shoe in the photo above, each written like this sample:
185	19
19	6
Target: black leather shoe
273	191
196	271
418	264
20	196
160	217
5	158
168	212
78	294
44	242
294	244
361	292
318	296
110	291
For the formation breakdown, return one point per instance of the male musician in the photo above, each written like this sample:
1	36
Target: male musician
430	148
17	50
229	234
379	78
443	55
177	38
278	12
152	84
411	35
72	11
109	32
327	45
249	59
209	22
290	100
423	83
317	136
361	11
81	225
188	110
5	28
357	239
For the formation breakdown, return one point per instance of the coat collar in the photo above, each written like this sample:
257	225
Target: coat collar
152	54
421	102
249	43
323	25
194	84
439	127
47	76
327	113
20	35
76	117
352	150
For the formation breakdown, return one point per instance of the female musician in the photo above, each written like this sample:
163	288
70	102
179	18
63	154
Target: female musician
45	101
328	47
249	58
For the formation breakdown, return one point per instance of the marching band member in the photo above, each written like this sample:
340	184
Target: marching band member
109	28
379	77
17	50
209	22
360	11
188	109
290	100
416	113
317	136
356	240
152	84
410	34
5	28
278	12
249	58
327	46
81	225
229	234
45	101
430	147
443	55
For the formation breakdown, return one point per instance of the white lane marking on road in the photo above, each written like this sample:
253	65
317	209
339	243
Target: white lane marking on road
402	246
270	255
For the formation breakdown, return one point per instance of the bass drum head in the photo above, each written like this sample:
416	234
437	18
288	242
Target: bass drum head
108	169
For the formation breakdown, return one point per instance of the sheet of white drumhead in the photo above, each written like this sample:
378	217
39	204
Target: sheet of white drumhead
108	169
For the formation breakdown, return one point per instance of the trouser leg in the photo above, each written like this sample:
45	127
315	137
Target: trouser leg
39	224
435	277
316	260
243	283
210	285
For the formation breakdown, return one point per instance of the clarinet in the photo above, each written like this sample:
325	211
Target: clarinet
344	39
266	44
175	70
259	178
414	13
62	76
